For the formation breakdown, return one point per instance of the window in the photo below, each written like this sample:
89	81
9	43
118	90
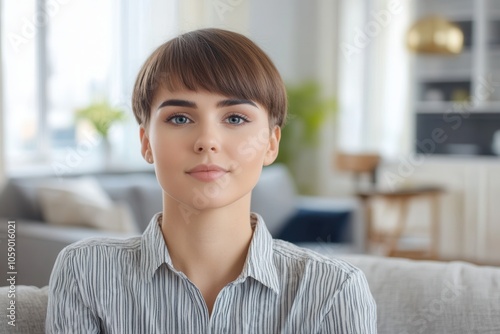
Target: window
61	55
18	47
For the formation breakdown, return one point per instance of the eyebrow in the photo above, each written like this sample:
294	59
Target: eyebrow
234	102
190	104
177	103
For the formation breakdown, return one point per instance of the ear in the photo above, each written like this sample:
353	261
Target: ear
273	147
146	151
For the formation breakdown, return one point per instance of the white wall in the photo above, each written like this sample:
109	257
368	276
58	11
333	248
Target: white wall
198	14
288	31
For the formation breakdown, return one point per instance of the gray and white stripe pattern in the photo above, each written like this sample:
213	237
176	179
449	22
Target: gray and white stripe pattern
104	285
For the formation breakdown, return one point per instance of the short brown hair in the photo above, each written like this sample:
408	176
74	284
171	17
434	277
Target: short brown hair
214	60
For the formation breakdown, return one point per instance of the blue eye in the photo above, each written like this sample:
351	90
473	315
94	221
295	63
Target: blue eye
237	119
178	119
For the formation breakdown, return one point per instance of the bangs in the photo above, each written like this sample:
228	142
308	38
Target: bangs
196	62
224	62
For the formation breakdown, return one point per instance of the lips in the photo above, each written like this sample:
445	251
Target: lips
207	173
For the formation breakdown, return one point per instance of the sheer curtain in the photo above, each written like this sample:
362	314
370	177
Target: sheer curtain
375	112
143	26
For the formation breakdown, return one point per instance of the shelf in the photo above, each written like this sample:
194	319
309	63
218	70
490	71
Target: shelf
440	107
439	81
434	67
448	159
494	50
456	10
439	76
440	90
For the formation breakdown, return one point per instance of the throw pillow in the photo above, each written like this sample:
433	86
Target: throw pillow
317	226
83	202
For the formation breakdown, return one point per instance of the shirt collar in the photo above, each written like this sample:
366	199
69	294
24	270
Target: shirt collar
260	259
154	251
259	263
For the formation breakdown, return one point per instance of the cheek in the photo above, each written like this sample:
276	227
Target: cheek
252	147
165	143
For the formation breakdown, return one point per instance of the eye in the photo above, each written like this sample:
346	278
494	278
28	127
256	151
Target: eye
178	119
236	119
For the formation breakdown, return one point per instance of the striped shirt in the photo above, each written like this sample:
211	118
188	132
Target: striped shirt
104	285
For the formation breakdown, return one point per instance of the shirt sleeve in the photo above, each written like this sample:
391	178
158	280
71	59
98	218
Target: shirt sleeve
354	310
66	310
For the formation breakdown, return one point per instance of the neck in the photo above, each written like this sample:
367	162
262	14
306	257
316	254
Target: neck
209	246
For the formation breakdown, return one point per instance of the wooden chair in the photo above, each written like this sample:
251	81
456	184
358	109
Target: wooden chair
359	164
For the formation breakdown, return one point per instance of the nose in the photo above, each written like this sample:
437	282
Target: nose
207	141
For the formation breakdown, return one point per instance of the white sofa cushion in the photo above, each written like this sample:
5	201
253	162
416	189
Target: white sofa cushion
30	309
432	297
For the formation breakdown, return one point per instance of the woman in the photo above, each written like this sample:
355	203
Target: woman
210	105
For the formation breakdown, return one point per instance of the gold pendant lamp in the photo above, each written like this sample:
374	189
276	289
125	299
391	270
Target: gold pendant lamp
435	35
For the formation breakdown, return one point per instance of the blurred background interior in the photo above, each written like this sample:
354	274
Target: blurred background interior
393	146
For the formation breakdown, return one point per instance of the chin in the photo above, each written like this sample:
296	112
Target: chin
209	201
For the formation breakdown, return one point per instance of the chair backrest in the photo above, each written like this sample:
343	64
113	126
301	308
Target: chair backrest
358	163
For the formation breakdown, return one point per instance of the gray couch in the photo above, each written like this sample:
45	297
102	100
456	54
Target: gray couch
411	296
38	243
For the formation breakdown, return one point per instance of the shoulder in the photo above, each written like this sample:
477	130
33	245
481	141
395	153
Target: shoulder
310	262
105	244
100	249
320	280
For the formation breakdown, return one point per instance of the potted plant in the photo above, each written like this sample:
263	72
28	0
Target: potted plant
307	112
101	115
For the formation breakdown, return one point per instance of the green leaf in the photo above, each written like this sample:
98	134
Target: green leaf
307	112
101	115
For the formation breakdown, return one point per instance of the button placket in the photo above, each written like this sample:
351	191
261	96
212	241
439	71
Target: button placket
196	297
218	322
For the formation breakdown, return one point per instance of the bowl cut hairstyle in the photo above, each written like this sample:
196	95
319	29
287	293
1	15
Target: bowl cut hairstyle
215	60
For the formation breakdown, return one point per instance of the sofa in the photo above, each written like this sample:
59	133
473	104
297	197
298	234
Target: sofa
412	297
332	222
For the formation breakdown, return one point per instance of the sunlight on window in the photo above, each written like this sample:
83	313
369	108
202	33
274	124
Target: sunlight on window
79	46
61	56
18	47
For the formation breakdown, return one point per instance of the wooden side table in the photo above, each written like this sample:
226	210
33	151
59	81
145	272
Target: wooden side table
401	198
